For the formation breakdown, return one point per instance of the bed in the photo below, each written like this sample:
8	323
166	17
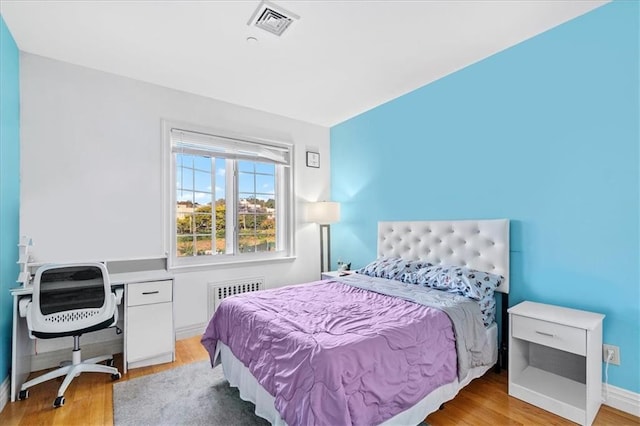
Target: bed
362	349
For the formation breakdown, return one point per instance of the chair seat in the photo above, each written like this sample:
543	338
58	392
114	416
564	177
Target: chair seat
96	327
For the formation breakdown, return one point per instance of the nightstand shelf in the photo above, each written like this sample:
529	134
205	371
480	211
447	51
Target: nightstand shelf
565	391
555	359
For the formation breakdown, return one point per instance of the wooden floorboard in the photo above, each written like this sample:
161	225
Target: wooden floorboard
484	401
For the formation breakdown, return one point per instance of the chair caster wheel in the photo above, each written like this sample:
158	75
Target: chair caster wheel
24	394
110	363
59	402
116	376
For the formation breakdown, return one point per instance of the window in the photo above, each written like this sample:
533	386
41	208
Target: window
231	198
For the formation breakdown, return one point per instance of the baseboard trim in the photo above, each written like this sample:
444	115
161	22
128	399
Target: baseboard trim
190	331
5	392
622	399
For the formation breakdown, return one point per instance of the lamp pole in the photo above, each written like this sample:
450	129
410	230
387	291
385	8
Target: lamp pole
325	248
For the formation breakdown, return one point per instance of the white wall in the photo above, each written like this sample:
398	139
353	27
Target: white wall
91	172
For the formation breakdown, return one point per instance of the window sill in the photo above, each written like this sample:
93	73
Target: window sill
229	264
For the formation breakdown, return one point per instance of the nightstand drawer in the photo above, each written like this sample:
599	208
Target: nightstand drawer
565	338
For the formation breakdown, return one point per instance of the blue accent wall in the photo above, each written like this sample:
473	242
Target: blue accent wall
9	186
544	133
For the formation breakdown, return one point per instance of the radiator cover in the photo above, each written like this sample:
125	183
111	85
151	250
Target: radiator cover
218	291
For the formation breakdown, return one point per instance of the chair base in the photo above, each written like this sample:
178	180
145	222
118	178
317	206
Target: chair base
70	372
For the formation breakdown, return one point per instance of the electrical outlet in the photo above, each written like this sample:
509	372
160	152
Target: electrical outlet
615	359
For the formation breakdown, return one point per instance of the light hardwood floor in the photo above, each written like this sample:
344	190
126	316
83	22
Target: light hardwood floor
89	401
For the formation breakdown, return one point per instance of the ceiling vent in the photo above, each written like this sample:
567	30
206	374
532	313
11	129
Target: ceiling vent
272	18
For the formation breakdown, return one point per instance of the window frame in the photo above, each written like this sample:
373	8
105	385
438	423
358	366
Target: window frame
284	181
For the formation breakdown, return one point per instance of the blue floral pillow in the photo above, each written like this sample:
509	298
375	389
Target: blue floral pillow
488	309
476	285
392	268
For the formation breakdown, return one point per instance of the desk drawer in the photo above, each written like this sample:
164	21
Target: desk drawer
565	338
148	293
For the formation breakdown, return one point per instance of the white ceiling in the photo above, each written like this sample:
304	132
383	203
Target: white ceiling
340	59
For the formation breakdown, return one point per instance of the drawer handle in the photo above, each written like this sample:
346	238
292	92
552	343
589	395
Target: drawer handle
150	292
545	334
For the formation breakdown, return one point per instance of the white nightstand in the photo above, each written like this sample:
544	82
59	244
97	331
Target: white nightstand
555	359
334	274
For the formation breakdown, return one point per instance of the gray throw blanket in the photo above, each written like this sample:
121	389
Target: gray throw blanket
464	313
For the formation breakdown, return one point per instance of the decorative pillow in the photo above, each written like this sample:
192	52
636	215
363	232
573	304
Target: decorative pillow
392	268
476	285
488	309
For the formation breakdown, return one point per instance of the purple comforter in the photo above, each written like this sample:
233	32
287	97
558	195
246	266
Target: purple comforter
333	354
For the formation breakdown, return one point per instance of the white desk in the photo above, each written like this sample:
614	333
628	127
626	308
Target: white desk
148	336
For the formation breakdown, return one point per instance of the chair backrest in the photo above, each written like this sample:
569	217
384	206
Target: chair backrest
71	299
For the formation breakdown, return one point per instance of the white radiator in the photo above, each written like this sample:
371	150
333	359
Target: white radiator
221	290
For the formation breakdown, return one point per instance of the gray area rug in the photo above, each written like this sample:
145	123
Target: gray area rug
193	394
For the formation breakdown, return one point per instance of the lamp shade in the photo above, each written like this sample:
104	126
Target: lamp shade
323	212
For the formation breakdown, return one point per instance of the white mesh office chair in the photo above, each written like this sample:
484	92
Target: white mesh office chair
70	300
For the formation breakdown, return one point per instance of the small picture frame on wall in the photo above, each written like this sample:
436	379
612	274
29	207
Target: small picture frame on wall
313	159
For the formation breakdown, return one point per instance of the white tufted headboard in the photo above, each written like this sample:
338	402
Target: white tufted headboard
478	244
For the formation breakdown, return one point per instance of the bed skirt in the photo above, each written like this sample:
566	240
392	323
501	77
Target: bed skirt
240	377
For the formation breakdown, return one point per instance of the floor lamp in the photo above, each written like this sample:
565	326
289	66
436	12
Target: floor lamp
324	213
